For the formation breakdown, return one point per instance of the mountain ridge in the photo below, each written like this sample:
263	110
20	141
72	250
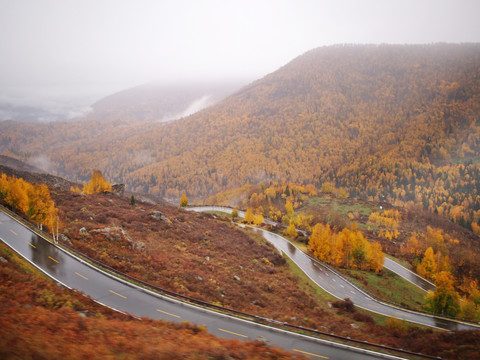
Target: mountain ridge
381	121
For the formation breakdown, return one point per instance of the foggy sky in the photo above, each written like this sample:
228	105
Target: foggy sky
58	50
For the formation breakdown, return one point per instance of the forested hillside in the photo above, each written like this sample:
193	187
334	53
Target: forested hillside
395	123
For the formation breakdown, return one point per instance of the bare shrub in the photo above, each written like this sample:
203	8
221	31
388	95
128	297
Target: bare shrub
366	318
345	305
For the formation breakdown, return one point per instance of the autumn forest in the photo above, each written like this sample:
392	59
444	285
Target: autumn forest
395	123
354	153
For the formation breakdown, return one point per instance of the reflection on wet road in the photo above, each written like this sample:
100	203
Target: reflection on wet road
338	286
46	256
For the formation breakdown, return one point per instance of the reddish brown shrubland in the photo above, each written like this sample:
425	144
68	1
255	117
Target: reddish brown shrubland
39	320
196	255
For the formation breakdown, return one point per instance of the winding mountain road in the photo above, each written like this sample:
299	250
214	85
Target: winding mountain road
389	264
408	275
118	294
337	285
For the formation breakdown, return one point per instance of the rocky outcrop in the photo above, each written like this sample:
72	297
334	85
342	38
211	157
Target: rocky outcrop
118	189
116	233
64	238
139	246
157	215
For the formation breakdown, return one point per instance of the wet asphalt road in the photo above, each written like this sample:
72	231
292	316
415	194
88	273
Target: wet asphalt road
117	294
335	284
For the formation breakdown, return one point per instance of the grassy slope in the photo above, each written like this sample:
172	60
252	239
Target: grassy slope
389	286
340	211
176	253
343	212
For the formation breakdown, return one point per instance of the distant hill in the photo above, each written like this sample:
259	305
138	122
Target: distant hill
113	118
18	165
23	113
159	102
398	123
391	122
147	102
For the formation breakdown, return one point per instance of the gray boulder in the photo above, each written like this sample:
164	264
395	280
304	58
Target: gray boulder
118	189
65	239
157	215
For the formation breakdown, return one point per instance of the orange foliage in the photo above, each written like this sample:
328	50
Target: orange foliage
291	230
445	300
258	219
347	248
33	200
400	124
184	200
96	185
428	267
249	216
388	219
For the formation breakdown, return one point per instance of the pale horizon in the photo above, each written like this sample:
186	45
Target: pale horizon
61	54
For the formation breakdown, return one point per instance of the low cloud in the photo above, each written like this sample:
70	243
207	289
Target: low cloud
6	114
195	106
42	162
78	112
36	109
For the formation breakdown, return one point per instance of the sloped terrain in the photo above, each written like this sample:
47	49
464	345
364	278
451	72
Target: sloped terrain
43	321
211	259
386	122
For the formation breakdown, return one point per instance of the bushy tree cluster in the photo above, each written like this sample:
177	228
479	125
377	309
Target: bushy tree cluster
96	185
432	251
184	200
33	200
253	217
347	248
